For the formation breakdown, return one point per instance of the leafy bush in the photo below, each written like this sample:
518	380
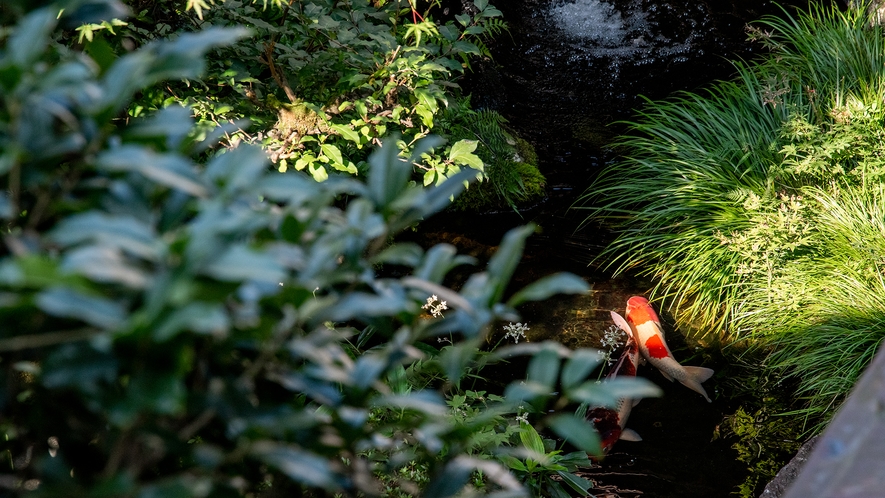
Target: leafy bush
174	328
747	203
323	81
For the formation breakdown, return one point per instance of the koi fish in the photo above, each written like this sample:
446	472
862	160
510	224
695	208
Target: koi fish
650	337
609	423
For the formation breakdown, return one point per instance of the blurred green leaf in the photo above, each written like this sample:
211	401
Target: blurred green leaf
579	366
240	263
544	368
31	37
171	170
81	366
546	287
124	232
297	464
576	431
199	317
66	303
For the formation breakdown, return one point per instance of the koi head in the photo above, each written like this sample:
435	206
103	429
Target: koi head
639	311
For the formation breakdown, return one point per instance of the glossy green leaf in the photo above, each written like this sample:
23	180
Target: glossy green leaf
531	439
427	402
456	359
184	57
363	305
579	484
513	462
348	133
436	263
388	175
555	490
462	153
333	153
438	197
608	392
366	370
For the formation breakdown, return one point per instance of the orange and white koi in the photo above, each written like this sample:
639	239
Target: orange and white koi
609	423
650	337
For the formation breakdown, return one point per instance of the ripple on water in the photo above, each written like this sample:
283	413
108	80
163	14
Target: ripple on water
601	29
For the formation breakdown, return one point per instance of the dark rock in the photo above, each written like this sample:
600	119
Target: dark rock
778	486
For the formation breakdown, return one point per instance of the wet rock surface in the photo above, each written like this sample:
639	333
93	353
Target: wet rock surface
778	486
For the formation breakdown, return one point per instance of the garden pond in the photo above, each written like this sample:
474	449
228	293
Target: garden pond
568	72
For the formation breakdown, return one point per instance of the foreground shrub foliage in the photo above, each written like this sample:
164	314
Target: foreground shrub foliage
174	328
758	206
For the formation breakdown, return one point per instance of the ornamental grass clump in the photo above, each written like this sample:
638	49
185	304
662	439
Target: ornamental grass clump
824	321
700	170
756	204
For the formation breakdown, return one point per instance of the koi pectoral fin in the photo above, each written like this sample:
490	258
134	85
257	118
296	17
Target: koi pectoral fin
630	435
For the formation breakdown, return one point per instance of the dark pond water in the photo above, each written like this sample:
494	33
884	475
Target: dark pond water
567	72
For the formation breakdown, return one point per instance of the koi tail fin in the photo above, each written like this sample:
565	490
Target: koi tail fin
693	380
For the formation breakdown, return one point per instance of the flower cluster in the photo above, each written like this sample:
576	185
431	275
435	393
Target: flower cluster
611	339
434	306
516	331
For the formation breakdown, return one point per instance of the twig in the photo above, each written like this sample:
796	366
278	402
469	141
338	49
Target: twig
198	423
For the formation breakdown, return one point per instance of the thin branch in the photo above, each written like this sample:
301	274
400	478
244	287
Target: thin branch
48	339
198	423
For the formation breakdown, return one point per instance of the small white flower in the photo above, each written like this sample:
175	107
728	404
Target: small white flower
516	332
434	306
521	416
